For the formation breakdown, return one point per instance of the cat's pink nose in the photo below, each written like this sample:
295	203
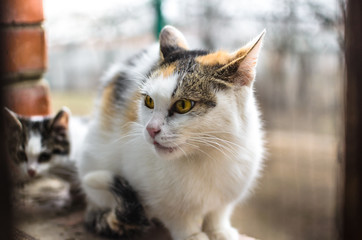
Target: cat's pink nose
153	131
31	172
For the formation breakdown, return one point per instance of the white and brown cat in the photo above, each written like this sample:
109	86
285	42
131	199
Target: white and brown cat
182	128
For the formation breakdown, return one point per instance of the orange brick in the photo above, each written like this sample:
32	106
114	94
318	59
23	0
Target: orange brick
29	99
25	50
22	11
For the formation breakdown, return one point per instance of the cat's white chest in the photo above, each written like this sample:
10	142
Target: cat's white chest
184	184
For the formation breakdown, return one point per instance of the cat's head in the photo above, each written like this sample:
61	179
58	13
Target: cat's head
35	143
195	101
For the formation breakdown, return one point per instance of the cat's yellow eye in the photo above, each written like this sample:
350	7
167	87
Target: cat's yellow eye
149	102
183	106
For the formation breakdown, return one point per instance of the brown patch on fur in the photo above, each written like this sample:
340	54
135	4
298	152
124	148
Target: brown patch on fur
168	70
107	106
222	57
216	58
242	52
130	113
113	223
119	227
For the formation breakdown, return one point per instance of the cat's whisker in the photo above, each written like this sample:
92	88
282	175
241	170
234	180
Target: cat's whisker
136	130
213	137
138	73
212	133
135	134
210	144
129	140
196	147
216	146
179	147
222	141
220	144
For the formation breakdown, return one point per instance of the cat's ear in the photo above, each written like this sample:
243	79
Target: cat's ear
60	122
171	39
12	120
241	68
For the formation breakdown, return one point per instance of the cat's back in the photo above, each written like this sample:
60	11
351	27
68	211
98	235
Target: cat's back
120	82
116	108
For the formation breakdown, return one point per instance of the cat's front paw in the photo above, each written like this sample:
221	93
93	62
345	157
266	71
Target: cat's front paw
123	229
224	234
198	236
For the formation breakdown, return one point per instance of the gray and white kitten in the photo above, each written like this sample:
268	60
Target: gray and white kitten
40	146
182	128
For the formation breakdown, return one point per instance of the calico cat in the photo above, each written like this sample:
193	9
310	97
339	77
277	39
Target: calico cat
43	145
183	129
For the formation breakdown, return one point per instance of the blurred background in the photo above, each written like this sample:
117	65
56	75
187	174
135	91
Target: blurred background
298	85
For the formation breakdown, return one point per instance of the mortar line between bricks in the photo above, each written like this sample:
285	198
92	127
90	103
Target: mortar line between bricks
15	78
13	25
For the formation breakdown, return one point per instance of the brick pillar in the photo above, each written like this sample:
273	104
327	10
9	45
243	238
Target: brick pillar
25	56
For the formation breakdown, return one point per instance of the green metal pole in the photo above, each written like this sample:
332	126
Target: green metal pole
160	20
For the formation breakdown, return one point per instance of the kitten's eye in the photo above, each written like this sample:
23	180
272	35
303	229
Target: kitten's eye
183	106
149	102
57	151
44	157
22	157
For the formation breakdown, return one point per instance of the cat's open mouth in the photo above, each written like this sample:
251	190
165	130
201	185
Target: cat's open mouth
162	148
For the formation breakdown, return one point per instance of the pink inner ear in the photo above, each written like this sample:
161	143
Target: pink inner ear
171	39
61	121
247	65
253	62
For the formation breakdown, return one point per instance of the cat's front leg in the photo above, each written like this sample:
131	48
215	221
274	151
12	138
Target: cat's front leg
186	228
217	224
126	218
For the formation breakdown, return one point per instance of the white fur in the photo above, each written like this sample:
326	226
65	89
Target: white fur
194	189
33	147
98	179
77	132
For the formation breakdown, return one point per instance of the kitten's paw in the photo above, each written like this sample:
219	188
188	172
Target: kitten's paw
198	236
224	234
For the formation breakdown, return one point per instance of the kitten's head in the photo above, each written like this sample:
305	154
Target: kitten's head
35	143
194	101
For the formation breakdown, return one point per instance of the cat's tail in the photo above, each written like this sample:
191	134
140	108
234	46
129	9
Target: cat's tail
126	219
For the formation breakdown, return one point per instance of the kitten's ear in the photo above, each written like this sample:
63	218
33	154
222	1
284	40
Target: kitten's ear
241	68
61	120
12	119
171	39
